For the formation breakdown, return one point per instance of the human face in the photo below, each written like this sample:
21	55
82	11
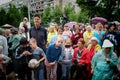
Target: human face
76	26
119	27
66	28
60	31
80	45
112	28
59	42
32	44
99	28
37	21
77	31
23	30
107	50
89	29
93	42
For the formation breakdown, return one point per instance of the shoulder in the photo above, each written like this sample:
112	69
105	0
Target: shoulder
114	55
86	50
39	49
2	37
99	53
98	46
50	46
19	49
76	49
32	28
42	28
89	46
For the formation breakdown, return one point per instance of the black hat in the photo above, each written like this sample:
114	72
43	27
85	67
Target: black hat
23	41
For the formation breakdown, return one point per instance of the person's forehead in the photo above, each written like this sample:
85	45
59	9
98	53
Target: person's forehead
36	18
79	43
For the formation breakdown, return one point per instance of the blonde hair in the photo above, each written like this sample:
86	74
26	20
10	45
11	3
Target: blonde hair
60	37
51	29
98	25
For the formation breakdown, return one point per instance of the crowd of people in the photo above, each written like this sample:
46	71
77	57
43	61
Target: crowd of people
83	52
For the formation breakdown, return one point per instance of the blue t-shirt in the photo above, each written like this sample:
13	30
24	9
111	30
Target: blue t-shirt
53	53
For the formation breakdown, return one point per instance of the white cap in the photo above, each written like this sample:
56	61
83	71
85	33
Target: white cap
107	43
94	38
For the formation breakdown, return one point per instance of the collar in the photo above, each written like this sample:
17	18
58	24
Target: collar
37	28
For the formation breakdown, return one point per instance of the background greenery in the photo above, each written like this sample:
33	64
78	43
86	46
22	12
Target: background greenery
109	9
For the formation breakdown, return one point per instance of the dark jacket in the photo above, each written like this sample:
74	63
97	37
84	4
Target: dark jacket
112	36
20	58
40	35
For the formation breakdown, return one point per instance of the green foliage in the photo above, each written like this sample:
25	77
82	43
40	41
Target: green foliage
46	16
24	11
73	16
56	13
50	15
13	16
106	8
2	16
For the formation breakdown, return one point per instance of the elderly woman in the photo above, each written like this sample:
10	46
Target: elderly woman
88	34
94	47
103	62
81	60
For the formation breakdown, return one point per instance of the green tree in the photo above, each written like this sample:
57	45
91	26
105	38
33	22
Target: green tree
81	16
2	16
13	16
109	9
46	16
56	13
24	11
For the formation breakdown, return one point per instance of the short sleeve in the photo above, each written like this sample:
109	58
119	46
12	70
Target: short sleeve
41	52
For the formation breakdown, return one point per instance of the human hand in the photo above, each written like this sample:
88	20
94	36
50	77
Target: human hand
107	60
52	63
1	57
25	53
92	71
76	36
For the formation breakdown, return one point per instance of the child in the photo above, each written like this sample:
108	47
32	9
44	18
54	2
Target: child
39	55
52	56
22	57
67	59
67	32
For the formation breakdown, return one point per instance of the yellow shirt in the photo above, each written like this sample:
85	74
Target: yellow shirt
50	35
87	36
